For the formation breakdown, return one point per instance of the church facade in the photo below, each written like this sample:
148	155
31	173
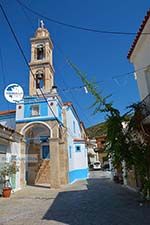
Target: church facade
53	136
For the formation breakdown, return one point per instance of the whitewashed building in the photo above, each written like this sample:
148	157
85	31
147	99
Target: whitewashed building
139	55
54	138
10	144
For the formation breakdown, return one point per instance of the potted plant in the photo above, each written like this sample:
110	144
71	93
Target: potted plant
5	173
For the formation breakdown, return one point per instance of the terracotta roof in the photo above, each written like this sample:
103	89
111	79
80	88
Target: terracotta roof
79	139
139	33
7	112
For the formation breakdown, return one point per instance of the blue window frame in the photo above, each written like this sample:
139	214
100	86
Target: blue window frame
35	110
78	148
45	152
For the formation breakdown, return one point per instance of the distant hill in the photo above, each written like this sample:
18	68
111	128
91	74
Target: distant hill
97	130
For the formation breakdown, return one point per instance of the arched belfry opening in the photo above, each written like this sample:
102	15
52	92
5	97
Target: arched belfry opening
40	52
39	78
37	138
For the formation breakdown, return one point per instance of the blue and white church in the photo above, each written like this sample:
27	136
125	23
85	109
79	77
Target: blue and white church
54	139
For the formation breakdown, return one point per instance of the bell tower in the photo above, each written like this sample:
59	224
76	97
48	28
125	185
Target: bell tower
41	63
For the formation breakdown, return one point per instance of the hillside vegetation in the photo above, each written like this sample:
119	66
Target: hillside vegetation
97	130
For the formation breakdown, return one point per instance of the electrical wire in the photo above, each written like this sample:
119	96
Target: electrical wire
97	82
25	59
76	102
28	18
67	60
77	27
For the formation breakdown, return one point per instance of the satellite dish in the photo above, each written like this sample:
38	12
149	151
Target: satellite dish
13	93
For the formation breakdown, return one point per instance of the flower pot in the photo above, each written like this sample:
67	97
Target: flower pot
6	192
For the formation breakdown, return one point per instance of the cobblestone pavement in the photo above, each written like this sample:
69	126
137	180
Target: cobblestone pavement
97	201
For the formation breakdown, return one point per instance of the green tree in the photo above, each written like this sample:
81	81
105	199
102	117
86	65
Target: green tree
130	144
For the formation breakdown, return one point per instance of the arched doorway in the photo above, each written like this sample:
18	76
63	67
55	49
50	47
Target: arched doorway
37	137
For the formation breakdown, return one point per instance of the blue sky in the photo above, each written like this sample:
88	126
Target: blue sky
100	56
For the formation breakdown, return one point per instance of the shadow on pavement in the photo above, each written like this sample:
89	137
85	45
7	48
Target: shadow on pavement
103	203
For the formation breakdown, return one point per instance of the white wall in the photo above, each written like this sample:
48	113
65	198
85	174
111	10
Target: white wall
141	58
19	111
13	149
70	119
78	160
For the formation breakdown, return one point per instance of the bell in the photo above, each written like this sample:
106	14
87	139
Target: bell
40	76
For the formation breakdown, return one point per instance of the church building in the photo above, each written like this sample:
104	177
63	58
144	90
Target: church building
53	145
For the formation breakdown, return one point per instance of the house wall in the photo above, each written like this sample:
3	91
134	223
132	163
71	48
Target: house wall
140	58
10	151
78	162
101	150
14	154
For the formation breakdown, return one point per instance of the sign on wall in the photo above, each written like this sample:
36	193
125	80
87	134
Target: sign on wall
13	93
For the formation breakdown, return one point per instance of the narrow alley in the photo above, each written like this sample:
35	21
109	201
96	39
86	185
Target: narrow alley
97	201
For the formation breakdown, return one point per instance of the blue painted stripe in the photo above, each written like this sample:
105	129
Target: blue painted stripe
27	111
35	119
77	175
43	109
8	116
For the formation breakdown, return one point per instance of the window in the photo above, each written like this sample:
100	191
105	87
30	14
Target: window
39	80
45	152
40	52
35	110
70	152
44	139
78	148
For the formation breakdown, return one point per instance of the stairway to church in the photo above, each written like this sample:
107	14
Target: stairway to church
43	173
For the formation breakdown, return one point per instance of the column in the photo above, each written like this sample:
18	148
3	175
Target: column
54	163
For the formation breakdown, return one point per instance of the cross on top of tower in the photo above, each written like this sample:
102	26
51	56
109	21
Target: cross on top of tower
41	24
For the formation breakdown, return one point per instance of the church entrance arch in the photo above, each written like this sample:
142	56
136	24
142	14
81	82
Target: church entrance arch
37	137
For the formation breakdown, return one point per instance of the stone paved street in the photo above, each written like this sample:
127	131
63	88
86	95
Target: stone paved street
98	201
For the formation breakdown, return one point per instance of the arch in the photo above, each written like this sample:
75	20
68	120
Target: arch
27	126
37	150
40	79
40	49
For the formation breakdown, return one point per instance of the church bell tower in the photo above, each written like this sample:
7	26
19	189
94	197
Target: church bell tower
41	64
